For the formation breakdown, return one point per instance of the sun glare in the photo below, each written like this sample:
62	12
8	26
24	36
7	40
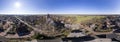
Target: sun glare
17	4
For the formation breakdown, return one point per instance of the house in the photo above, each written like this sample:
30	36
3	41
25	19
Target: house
76	33
72	26
118	24
93	26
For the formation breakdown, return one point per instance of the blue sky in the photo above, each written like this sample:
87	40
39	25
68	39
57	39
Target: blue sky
60	6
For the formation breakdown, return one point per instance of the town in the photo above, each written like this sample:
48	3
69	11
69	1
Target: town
59	28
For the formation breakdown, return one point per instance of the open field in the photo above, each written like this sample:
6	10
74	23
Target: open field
83	18
87	18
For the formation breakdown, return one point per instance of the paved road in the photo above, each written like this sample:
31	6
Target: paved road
35	29
5	33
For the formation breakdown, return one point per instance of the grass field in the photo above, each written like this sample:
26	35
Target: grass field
87	18
84	18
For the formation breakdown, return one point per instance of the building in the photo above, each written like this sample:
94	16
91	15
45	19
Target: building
76	33
100	40
72	26
78	39
49	40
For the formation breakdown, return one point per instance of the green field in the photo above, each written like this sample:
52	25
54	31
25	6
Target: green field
84	18
87	18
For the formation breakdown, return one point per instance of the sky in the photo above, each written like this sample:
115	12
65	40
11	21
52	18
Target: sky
59	6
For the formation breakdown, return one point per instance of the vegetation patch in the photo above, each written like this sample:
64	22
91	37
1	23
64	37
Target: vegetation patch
87	18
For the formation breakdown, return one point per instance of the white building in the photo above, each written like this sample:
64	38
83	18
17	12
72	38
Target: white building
76	33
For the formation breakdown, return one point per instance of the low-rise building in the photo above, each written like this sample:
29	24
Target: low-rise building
100	40
50	40
76	33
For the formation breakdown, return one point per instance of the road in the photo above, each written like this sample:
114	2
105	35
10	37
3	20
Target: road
41	32
93	33
35	29
5	33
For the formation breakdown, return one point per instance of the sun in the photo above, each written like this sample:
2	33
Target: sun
17	4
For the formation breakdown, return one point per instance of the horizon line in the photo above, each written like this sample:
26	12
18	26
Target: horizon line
60	14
